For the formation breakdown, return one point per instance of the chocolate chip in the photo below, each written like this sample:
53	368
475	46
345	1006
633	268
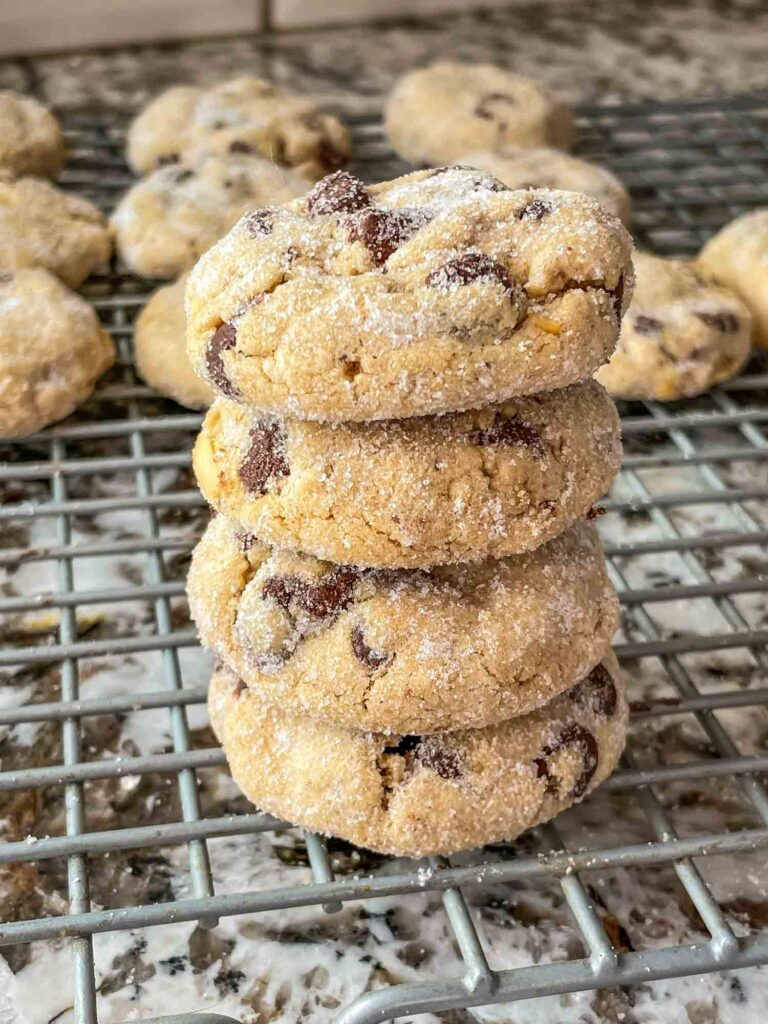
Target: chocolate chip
573	735
474	266
509	430
6	278
597	692
595	512
166	159
724	321
184	175
266	458
328	156
384	231
239	687
337	193
617	294
238	146
431	753
323	599
648	324
537	209
259	222
370	657
485	108
222	341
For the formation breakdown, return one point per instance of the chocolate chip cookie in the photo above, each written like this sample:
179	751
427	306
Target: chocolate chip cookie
244	116
453	647
551	168
52	351
416	795
165	222
435	114
683	334
738	257
438	291
414	492
159	351
31	141
42	226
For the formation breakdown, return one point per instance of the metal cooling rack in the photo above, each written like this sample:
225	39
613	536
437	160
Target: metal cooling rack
691	167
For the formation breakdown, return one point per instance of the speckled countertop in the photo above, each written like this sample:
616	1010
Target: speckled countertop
302	965
587	49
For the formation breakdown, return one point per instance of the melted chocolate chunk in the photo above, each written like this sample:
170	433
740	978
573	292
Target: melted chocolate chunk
648	324
239	687
321	599
222	341
260	222
573	735
597	692
537	209
474	266
485	108
510	431
618	298
429	752
238	146
384	231
166	159
338	193
370	657
595	512
724	321
266	458
184	175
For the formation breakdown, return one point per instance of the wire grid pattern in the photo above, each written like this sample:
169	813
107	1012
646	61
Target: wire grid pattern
691	167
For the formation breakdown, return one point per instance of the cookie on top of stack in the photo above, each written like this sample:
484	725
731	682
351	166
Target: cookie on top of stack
408	599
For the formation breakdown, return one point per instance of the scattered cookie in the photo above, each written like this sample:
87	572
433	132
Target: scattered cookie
31	141
682	335
438	291
738	257
435	114
161	357
52	351
415	795
414	492
404	650
42	226
167	221
242	116
551	168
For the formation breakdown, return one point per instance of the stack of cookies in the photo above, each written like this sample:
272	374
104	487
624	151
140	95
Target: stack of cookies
408	599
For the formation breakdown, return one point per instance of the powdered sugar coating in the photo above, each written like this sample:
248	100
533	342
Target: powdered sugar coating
52	351
683	333
242	116
43	226
466	646
163	224
437	113
418	492
418	796
326	330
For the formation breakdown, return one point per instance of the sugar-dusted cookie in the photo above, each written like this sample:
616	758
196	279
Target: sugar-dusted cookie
418	795
738	256
453	647
165	222
435	114
413	492
438	291
52	351
161	357
242	116
551	168
683	334
31	141
43	226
